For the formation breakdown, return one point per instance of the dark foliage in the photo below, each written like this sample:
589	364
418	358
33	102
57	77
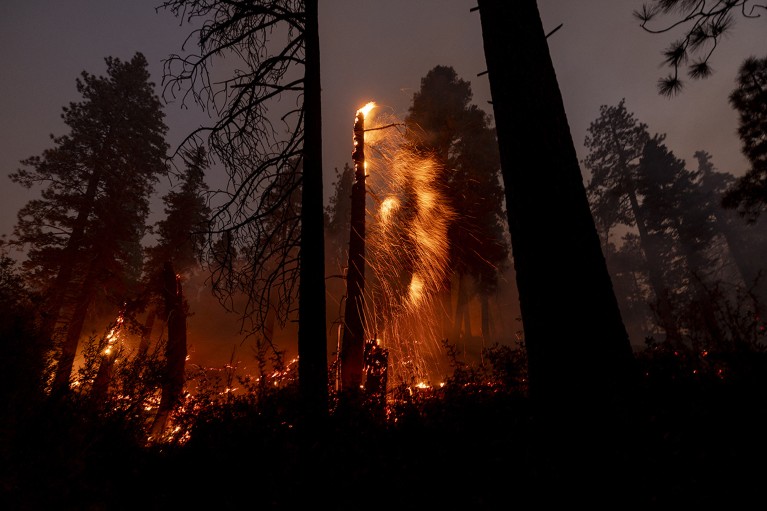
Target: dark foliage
442	122
749	194
84	233
703	25
689	437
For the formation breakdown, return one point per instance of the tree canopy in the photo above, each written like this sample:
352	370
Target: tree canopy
84	234
704	23
749	194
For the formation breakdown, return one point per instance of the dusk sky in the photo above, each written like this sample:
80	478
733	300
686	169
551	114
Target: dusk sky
371	50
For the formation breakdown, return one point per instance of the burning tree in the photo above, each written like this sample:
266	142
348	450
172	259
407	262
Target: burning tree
351	356
616	141
409	253
175	313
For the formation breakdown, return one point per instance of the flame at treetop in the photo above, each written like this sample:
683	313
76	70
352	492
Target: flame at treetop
365	110
407	252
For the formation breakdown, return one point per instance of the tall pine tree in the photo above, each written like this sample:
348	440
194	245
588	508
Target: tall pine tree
616	141
443	122
84	233
749	194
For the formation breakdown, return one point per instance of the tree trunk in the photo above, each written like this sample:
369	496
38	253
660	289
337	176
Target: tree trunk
664	308
74	329
577	345
353	334
69	258
175	350
312	332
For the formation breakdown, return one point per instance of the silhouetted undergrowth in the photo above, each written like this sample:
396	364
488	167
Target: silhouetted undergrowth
695	429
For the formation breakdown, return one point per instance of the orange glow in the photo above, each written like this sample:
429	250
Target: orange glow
388	207
416	291
366	109
113	335
408	256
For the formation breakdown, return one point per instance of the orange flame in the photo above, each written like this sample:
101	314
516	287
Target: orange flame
365	110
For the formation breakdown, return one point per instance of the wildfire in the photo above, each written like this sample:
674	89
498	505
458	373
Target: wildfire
114	335
415	290
365	110
387	209
407	253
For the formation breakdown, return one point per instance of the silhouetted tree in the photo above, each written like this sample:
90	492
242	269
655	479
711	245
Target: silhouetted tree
678	212
84	233
337	223
705	23
24	351
628	269
749	193
616	141
337	217
261	159
562	278
443	122
180	235
178	250
746	241
175	312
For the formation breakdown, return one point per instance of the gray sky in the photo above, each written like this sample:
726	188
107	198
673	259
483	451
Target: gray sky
371	50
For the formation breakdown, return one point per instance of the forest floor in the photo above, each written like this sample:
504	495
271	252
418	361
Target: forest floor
687	440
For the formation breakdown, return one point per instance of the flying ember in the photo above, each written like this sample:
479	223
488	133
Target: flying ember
405	249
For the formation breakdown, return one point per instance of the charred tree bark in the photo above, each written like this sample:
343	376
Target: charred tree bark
175	350
353	337
312	332
578	348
